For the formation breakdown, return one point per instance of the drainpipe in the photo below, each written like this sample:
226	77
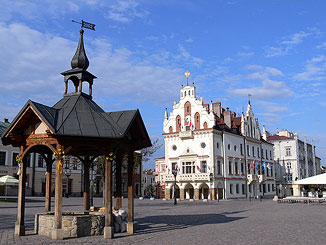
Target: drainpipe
225	161
246	165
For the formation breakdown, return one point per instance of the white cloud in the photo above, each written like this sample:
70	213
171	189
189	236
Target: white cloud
268	90
246	54
287	45
185	56
32	61
321	46
189	40
314	70
272	107
125	11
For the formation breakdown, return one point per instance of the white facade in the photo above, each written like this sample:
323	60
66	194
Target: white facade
297	159
214	151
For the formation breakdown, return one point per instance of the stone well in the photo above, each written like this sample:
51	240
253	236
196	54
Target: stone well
74	224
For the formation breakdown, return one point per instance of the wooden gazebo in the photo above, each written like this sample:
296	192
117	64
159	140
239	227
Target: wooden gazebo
77	126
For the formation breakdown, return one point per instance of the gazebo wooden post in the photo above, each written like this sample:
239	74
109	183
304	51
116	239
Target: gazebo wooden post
48	181
19	226
86	182
57	233
108	229
118	178
130	225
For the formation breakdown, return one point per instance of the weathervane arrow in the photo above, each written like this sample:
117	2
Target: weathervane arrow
85	24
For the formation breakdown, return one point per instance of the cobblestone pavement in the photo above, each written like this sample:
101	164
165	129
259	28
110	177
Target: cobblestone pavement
160	222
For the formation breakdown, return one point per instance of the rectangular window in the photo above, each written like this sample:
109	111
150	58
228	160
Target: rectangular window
270	155
258	151
218	167
250	188
264	188
262	153
259	188
14	161
249	168
266	155
67	161
269	188
242	168
272	171
231	188
3	155
230	167
203	166
174	165
273	187
40	161
253	151
236	168
237	188
248	153
243	189
241	149
288	165
74	164
288	151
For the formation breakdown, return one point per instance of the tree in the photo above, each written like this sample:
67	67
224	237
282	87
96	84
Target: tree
149	151
150	190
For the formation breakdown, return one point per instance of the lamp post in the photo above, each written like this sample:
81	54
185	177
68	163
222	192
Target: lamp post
175	172
67	173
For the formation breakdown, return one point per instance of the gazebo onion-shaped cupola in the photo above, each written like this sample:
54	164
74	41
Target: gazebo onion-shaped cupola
78	74
77	126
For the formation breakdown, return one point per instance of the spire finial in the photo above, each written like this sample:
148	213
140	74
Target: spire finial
249	95
187	73
80	59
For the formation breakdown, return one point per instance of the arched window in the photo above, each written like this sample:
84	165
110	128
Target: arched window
185	93
189	92
205	125
187	108
170	129
178	123
197	121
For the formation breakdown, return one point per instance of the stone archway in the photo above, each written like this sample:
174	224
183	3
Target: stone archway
203	191
189	191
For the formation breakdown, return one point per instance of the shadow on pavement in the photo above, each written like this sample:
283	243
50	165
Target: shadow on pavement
153	224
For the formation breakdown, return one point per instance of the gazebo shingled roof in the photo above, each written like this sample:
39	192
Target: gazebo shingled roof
77	126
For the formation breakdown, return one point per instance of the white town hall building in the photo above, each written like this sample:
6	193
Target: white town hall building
217	154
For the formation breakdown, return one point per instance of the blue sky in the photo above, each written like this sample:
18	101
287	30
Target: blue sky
274	50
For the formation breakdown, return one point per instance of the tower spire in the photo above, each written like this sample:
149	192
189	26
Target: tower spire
80	59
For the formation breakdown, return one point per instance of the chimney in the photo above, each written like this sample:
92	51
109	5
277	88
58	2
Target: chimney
5	120
227	117
217	109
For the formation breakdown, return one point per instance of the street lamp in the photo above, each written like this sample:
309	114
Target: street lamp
67	172
175	172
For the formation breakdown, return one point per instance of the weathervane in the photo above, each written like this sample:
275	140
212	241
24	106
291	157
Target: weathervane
85	24
249	95
187	73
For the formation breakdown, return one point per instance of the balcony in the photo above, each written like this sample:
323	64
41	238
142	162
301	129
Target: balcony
251	178
262	178
187	177
186	134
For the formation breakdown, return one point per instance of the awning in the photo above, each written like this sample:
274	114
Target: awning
319	179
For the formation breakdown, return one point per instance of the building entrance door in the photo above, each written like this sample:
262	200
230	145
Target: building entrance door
220	193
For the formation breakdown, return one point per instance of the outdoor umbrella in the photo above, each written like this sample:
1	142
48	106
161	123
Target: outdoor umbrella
8	180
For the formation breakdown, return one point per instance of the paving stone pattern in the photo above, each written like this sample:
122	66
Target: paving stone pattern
212	222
